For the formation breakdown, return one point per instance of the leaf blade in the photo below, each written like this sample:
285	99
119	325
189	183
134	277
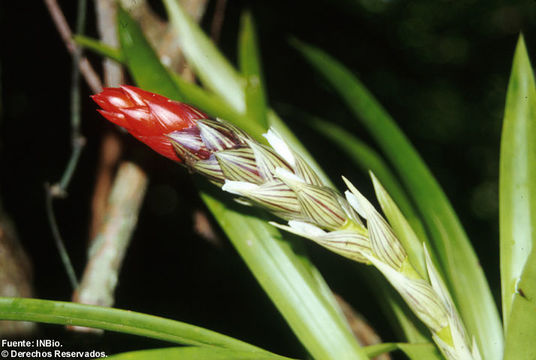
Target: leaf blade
522	325
517	201
99	47
123	321
210	65
413	351
250	67
141	59
191	353
517	175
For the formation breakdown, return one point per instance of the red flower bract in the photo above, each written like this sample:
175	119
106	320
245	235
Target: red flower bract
147	116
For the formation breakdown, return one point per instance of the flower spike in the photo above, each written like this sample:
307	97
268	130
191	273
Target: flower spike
279	180
148	117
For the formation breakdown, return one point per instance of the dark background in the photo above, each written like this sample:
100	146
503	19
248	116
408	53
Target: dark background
439	67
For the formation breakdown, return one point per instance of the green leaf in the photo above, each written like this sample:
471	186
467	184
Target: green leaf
142	61
209	102
378	349
278	266
457	258
127	322
518	209
149	73
192	353
421	351
99	47
522	320
517	175
212	68
250	67
368	160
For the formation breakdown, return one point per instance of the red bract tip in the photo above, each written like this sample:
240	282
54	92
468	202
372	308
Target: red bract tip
147	116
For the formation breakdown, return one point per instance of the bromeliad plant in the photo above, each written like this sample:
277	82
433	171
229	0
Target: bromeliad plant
278	179
421	249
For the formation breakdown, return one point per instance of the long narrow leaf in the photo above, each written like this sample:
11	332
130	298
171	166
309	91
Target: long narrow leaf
192	353
457	257
138	52
127	322
99	47
518	208
420	351
213	69
522	320
279	270
517	175
250	67
413	351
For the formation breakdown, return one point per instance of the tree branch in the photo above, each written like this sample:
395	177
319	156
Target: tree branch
92	79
